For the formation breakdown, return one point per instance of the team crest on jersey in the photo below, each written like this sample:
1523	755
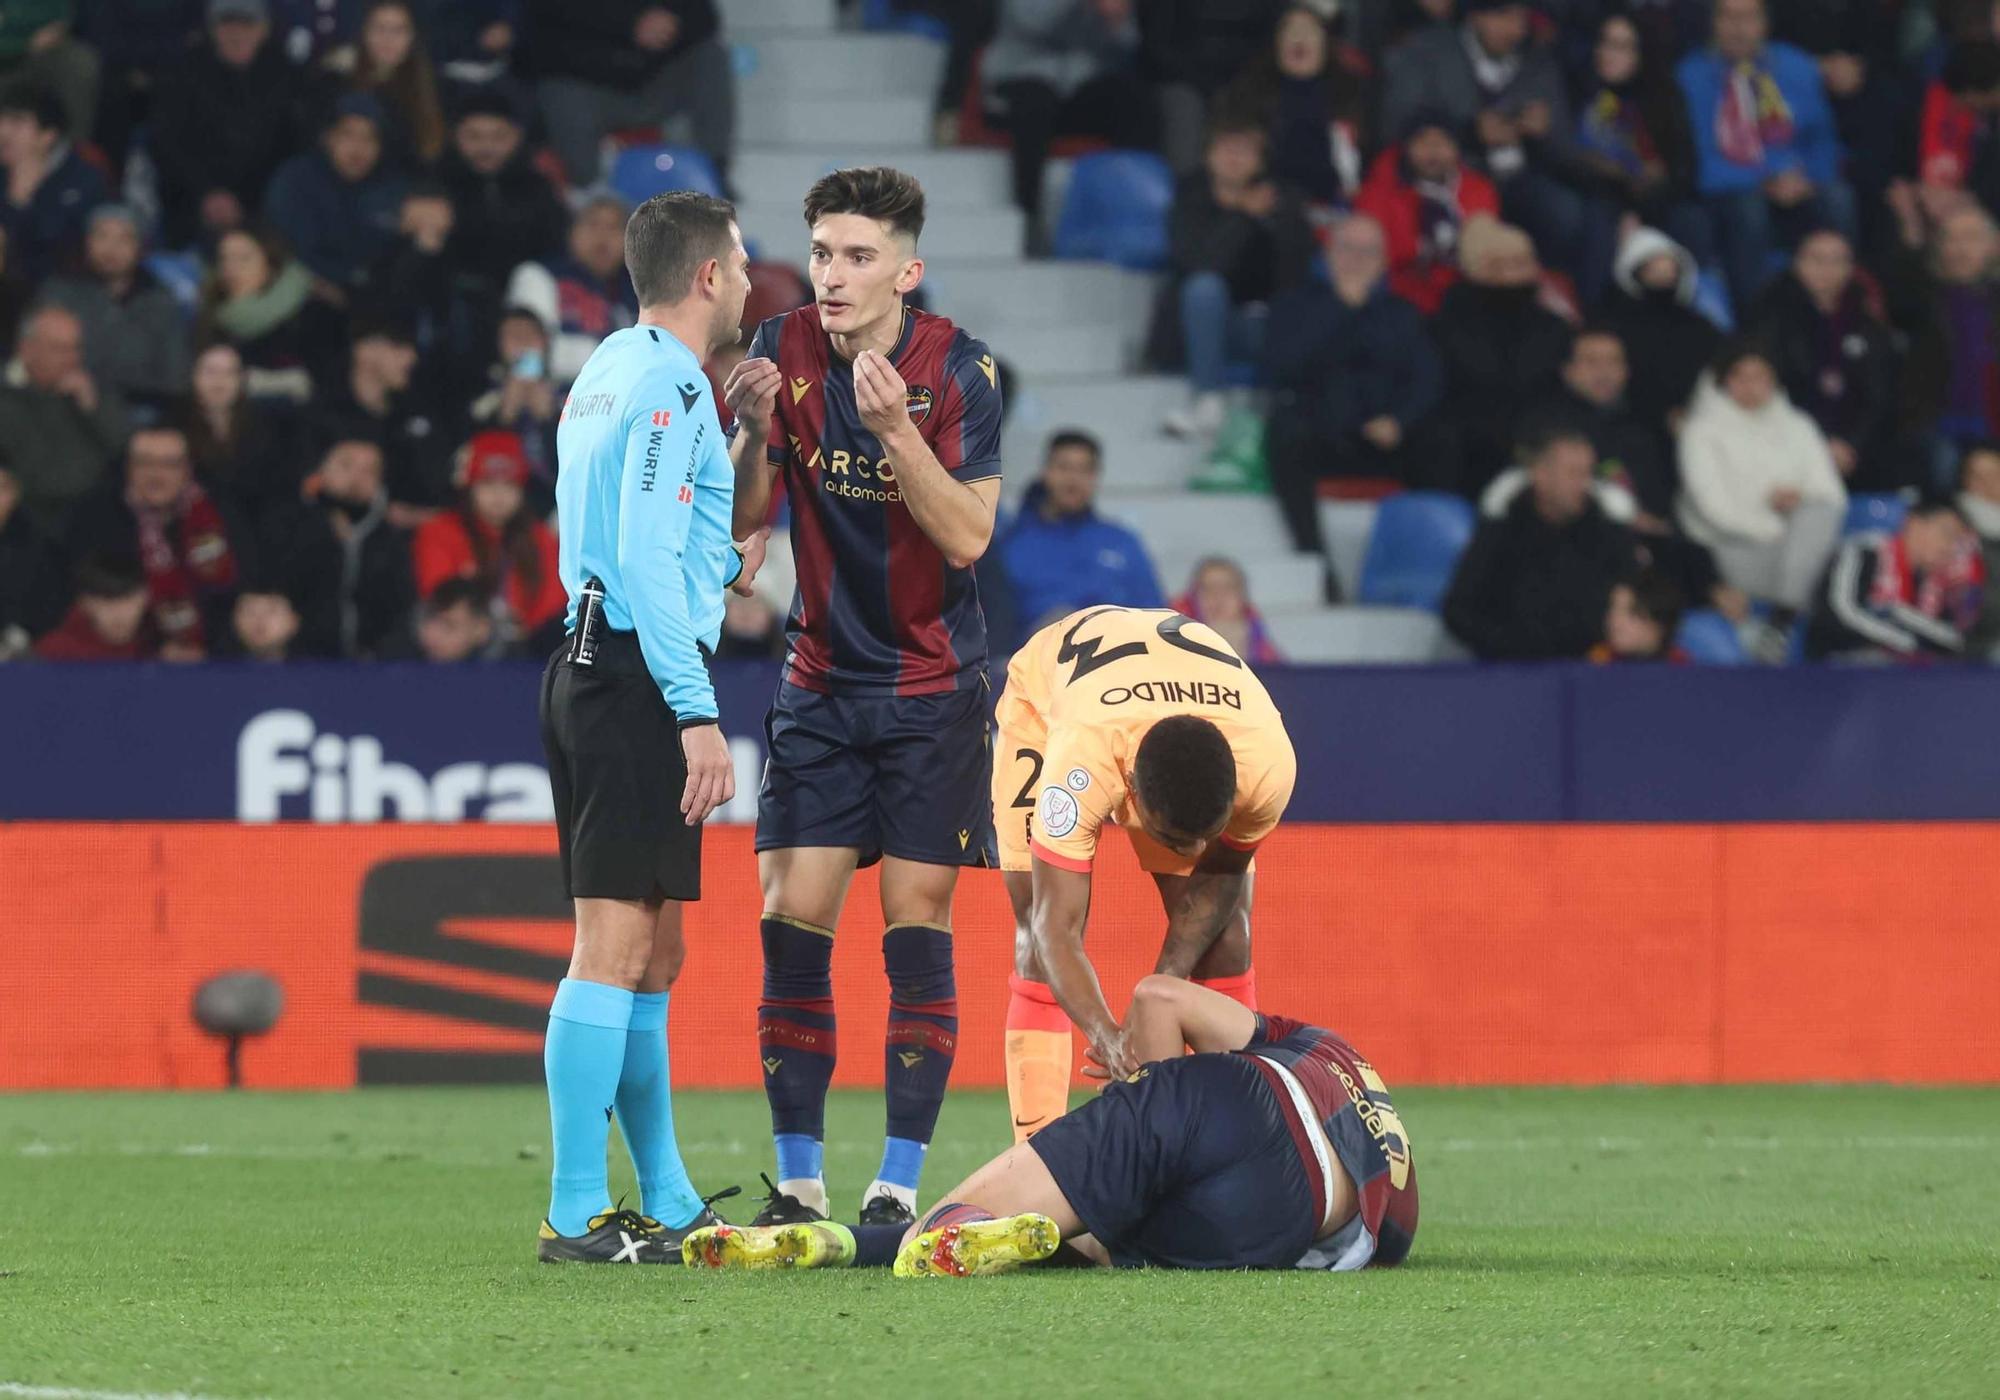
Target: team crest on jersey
918	403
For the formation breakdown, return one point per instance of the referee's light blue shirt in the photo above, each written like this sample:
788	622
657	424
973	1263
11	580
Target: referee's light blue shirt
643	496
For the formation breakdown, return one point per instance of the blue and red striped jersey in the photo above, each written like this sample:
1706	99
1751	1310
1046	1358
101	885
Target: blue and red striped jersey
1352	1105
878	610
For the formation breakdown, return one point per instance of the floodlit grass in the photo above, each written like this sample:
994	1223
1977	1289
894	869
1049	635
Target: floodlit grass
381	1243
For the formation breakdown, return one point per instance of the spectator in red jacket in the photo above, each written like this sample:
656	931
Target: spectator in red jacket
109	621
1422	195
491	536
1957	149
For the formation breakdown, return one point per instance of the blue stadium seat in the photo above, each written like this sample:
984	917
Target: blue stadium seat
1710	638
882	16
1879	512
640	172
1116	210
1414	548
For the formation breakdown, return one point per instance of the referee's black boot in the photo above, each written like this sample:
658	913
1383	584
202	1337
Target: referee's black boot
615	1237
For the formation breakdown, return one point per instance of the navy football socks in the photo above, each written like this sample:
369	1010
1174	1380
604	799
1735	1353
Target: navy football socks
918	1054
796	1041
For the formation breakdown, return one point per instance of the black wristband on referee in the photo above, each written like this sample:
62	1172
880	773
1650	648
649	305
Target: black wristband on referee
696	722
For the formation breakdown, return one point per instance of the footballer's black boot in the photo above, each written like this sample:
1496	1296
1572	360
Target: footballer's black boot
615	1237
781	1208
885	1209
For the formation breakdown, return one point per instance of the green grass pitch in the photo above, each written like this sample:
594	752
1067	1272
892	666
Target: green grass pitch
1711	1241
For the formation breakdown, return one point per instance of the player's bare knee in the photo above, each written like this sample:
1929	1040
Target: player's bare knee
916	893
1158	989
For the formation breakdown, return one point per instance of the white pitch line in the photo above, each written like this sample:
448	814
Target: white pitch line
64	1392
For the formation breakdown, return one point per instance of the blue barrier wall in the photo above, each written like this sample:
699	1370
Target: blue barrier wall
1554	743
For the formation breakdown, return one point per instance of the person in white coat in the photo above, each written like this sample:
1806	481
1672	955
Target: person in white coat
1758	482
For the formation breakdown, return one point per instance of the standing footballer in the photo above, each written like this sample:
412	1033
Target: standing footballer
629	719
886	425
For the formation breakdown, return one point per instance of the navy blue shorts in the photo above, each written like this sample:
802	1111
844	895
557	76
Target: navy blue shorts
909	776
1192	1167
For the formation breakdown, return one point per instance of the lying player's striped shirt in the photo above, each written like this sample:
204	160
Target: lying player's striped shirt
1352	1106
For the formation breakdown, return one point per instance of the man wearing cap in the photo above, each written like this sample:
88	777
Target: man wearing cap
133	339
47	189
225	117
338	206
644	493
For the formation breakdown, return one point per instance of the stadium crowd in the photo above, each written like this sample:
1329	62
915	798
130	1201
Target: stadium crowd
291	292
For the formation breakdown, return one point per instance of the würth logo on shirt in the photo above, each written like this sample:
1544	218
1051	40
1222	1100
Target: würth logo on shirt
662	417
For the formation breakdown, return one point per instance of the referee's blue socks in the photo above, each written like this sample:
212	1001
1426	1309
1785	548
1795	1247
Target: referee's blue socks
918	1053
797	1043
584	1058
646	1116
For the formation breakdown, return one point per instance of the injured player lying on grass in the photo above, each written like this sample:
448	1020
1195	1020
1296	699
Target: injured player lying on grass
1273	1146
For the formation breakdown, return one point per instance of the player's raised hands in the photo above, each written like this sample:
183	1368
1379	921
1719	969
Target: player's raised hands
880	394
751	390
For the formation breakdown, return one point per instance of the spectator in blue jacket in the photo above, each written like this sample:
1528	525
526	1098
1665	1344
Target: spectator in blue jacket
338	206
1060	554
1767	155
1353	374
48	190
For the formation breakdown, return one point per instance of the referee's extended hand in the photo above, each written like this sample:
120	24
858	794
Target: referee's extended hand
711	775
751	390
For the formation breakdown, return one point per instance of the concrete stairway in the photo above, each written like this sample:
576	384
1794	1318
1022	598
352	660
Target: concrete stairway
813	97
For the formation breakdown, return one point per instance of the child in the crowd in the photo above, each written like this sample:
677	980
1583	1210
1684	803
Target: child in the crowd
110	620
1641	620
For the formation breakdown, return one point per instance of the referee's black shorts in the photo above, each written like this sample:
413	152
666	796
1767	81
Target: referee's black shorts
617	770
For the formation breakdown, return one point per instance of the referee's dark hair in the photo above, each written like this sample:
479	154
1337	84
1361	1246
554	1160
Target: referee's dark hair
669	237
1185	775
874	191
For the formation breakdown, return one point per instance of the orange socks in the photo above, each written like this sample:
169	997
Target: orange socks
1039	1056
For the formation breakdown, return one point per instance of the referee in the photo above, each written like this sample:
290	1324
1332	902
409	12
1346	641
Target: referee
636	760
